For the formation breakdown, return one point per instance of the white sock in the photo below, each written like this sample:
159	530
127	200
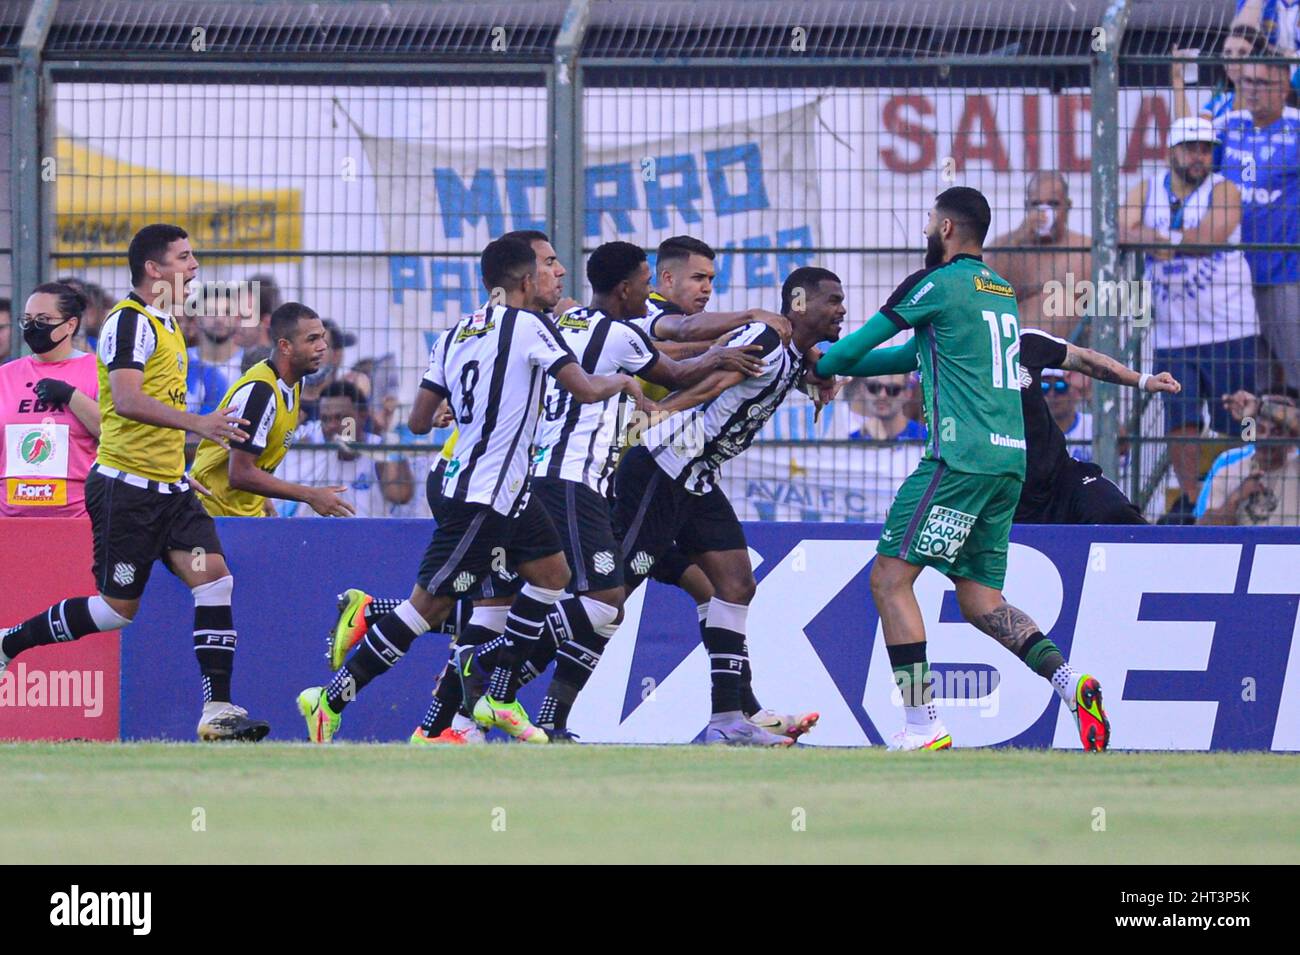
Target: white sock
1064	681
921	718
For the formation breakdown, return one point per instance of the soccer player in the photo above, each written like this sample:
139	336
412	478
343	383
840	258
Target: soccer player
1058	488
666	491
490	367
141	506
240	478
578	446
480	613
676	322
954	511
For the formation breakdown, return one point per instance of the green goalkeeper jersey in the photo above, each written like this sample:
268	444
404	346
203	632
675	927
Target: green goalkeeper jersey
967	331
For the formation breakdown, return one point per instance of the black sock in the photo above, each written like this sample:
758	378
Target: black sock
379	608
448	695
1041	655
524	628
214	646
726	665
911	673
749	704
446	700
66	620
381	648
575	660
556	632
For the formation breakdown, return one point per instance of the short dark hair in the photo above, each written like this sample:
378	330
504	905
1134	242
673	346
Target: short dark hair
612	263
967	208
806	277
268	293
506	261
284	320
6	305
528	235
343	389
150	244
682	247
72	301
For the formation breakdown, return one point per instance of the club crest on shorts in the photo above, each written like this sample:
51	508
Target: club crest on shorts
123	573
603	561
642	562
944	533
463	582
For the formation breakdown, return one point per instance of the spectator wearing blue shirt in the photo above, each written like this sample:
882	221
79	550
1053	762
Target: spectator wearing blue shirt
1242	42
1260	152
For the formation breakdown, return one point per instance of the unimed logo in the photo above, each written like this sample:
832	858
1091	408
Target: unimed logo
75	907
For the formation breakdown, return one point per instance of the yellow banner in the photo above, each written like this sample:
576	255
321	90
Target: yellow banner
101	202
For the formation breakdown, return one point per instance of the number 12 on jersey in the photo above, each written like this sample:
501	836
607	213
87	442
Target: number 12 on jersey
1006	369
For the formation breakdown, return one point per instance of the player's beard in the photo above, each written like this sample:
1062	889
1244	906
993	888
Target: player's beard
933	251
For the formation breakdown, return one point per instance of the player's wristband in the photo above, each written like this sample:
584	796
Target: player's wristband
1142	381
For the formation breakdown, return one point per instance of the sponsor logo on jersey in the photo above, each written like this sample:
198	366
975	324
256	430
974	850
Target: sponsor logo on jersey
993	287
1007	441
36	447
474	329
22	492
944	533
574	320
921	293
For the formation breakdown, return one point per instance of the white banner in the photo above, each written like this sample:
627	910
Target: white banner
750	183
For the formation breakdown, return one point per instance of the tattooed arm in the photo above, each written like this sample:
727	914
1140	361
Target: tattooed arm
1104	368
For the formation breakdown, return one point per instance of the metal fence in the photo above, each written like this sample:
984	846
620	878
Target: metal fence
356	156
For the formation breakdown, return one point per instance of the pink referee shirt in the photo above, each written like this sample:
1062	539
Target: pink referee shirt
46	453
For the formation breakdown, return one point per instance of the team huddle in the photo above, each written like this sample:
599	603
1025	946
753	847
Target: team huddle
585	458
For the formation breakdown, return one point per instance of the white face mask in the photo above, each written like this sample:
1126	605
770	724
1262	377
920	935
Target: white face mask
1049	219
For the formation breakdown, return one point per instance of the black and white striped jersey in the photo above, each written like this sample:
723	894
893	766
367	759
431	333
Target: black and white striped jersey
691	445
582	442
655	305
492	367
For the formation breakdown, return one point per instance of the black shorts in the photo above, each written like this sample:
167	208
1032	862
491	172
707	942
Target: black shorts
652	512
1081	494
504	579
472	541
134	526
583	519
669	568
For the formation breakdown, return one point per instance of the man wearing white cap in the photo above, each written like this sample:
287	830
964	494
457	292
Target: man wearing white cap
1205	326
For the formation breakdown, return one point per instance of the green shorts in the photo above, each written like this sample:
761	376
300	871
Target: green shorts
956	522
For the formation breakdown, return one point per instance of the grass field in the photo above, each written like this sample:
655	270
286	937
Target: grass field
76	802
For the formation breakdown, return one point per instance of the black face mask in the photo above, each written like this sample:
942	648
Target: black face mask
40	338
